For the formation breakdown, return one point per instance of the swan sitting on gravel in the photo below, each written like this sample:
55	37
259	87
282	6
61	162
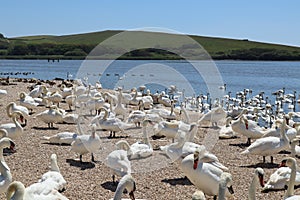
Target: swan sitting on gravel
13	107
50	116
37	91
5	175
14	130
61	138
213	116
27	101
36	191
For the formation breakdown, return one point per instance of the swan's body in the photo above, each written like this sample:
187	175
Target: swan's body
61	138
269	146
5	175
27	101
204	176
171	129
70	118
36	191
213	116
84	144
50	116
226	131
13	107
36	92
136	117
14	130
120	110
54	97
119	163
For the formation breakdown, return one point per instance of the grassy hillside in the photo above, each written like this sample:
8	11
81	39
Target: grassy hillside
77	46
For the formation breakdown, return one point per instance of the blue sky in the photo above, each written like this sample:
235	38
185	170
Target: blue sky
273	21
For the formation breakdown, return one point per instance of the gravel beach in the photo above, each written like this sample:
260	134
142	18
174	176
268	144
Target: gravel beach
156	178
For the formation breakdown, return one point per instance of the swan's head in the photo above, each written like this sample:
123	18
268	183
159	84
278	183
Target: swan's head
7	143
226	180
288	162
196	159
259	172
130	185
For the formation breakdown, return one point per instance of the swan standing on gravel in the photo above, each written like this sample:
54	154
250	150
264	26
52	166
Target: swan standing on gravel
5	175
84	144
258	177
269	146
139	149
204	176
50	116
127	182
14	130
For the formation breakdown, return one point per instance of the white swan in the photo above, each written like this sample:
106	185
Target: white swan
258	177
111	124
13	107
213	116
291	163
36	191
5	175
70	100
269	146
225	183
70	118
170	129
54	175
204	176
198	195
136	117
54	97
119	163
226	131
37	91
127	182
3	93
61	138
14	130
27	101
139	149
50	116
84	144
120	110
295	149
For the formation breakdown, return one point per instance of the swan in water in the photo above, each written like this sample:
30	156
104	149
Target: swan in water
269	146
204	176
84	144
14	130
126	182
291	163
5	175
36	191
50	116
258	178
139	149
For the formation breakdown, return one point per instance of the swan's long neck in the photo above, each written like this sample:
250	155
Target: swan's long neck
252	188
145	135
4	169
282	131
222	189
79	126
18	125
186	116
54	166
8	108
290	190
15	191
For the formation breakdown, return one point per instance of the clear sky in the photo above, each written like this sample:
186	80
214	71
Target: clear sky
274	21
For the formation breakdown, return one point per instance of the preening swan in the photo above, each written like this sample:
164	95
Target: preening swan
27	101
258	178
5	175
226	131
127	182
13	107
14	130
204	176
84	144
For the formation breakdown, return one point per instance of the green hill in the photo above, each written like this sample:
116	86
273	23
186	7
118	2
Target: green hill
77	46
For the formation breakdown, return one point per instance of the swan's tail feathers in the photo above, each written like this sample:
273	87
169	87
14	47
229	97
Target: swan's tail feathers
245	152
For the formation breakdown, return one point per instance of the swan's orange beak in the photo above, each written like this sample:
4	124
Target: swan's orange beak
261	180
195	163
246	124
283	163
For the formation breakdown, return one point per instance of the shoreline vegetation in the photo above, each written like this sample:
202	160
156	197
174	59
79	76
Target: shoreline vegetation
78	47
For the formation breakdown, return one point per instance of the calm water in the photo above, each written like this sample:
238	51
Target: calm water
256	75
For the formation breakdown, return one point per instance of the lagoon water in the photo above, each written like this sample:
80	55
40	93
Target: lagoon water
267	76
